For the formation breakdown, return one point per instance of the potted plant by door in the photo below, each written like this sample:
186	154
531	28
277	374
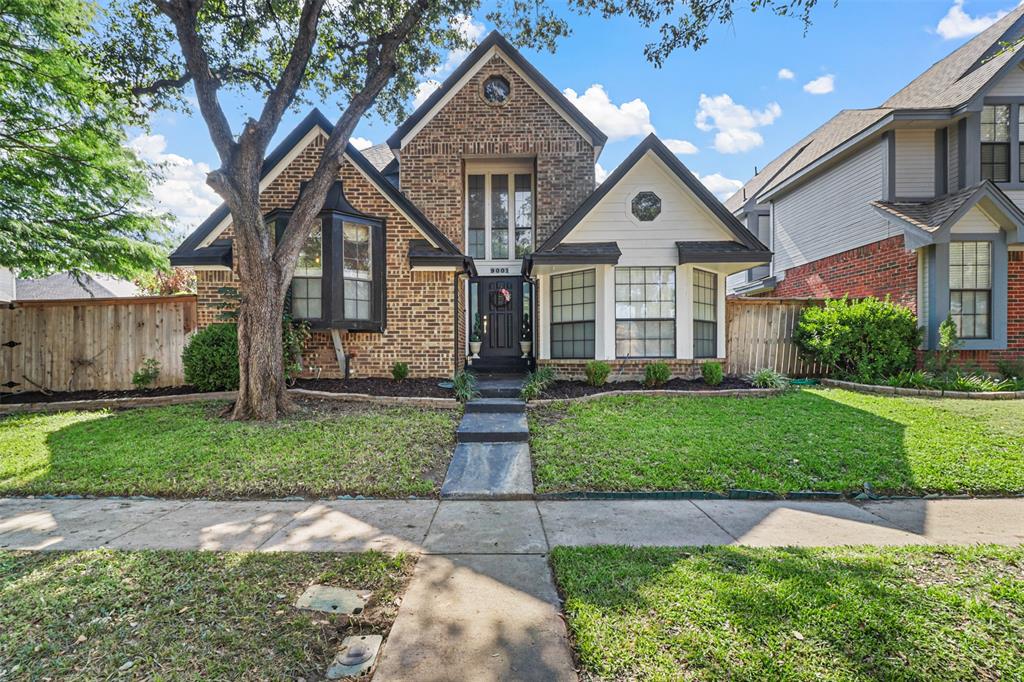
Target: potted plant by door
474	338
526	337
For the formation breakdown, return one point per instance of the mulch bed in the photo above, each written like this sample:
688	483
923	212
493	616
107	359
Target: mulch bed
62	396
410	388
578	389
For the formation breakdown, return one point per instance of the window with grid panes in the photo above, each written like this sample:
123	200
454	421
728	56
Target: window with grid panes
645	312
995	142
705	314
307	282
572	314
357	271
970	288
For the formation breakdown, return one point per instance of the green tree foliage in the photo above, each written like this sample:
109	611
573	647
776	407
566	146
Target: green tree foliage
71	193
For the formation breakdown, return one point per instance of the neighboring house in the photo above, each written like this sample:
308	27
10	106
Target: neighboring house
919	199
63	286
482	207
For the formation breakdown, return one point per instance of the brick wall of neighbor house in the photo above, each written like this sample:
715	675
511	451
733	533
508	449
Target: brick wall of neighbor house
878	269
420	305
629	370
525	127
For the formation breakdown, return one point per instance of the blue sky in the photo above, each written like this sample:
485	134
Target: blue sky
726	108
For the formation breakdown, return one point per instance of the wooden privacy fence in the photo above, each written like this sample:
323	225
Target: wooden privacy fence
759	333
92	344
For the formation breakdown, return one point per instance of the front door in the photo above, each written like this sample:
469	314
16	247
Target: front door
500	306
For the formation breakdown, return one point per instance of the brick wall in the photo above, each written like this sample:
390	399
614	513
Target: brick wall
468	127
420	305
627	370
879	269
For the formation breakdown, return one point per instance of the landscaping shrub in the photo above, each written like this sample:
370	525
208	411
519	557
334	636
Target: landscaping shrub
867	340
464	386
1010	369
955	380
597	372
294	336
656	374
766	377
911	379
537	382
147	374
712	373
211	358
400	371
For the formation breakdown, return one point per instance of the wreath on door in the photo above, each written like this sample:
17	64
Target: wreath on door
501	298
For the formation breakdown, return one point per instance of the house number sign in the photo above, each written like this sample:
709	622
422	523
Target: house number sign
499	270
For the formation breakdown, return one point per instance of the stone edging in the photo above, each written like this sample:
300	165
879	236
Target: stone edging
160	400
923	392
728	392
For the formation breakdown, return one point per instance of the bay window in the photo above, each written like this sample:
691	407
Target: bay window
995	142
970	288
499	214
705	314
307	283
645	312
573	297
357	270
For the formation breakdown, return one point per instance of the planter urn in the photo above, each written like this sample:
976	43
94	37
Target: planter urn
526	346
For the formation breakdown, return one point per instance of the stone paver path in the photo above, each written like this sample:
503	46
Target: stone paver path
482	604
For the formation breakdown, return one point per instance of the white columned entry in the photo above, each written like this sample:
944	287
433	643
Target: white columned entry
684	312
604	313
542	292
720	314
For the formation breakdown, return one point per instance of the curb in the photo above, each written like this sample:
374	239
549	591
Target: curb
727	393
923	392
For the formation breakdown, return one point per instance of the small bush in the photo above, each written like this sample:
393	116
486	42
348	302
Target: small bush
537	382
865	340
911	379
597	372
712	373
211	358
147	374
656	374
1010	369
464	386
400	371
766	377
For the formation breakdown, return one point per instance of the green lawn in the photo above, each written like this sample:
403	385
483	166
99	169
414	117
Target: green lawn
809	439
182	615
189	450
733	613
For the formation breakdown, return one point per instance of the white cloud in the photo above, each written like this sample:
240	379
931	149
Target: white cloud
361	143
616	121
735	124
182	190
721	186
786	75
470	30
821	85
680	146
599	173
959	24
423	91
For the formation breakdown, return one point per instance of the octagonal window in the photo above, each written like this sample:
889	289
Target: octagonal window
646	206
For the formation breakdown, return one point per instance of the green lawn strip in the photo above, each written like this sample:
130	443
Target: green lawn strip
812	439
182	615
190	450
741	613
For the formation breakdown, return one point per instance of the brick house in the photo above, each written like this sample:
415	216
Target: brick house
480	213
919	199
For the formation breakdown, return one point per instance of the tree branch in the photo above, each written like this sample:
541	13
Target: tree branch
162	84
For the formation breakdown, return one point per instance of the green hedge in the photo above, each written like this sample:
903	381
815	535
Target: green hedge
211	358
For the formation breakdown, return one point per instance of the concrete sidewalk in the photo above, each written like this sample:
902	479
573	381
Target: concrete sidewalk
482	604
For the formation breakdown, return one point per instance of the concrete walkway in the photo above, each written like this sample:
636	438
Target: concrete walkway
482	604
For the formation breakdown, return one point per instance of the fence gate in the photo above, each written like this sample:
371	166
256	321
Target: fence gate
759	333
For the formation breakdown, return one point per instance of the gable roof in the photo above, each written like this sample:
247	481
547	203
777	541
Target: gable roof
63	285
495	40
190	251
949	83
652	144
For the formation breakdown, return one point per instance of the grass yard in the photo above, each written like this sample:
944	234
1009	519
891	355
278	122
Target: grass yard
324	449
811	439
795	614
182	615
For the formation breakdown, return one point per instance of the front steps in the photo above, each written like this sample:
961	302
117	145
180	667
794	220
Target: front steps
492	457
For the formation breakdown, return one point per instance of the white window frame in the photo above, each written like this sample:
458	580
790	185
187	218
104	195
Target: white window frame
488	169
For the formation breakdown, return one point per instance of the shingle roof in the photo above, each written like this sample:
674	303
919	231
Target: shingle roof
950	82
64	286
380	155
928	215
720	252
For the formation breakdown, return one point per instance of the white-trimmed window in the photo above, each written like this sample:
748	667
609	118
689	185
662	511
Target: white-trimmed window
705	314
307	282
970	288
645	312
357	271
499	211
995	142
573	296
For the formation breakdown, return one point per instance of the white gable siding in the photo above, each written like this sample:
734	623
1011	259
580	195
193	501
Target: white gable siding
832	213
915	163
975	221
953	157
683	218
1010	85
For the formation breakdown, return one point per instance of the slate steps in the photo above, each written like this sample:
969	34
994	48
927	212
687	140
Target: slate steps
497	386
493	471
495	405
492	427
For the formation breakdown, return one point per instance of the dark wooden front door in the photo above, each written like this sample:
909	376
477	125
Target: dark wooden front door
500	306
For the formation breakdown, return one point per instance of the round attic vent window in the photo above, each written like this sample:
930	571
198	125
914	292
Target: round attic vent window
646	206
497	89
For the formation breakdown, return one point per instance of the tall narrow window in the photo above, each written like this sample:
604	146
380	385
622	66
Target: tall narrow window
499	216
524	214
645	312
572	314
970	288
476	220
705	314
307	282
1020	142
995	142
357	271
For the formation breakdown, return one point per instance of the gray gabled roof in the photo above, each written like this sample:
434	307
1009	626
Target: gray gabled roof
951	82
944	212
62	286
720	252
379	155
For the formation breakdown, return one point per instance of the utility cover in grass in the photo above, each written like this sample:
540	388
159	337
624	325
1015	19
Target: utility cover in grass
333	600
357	655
